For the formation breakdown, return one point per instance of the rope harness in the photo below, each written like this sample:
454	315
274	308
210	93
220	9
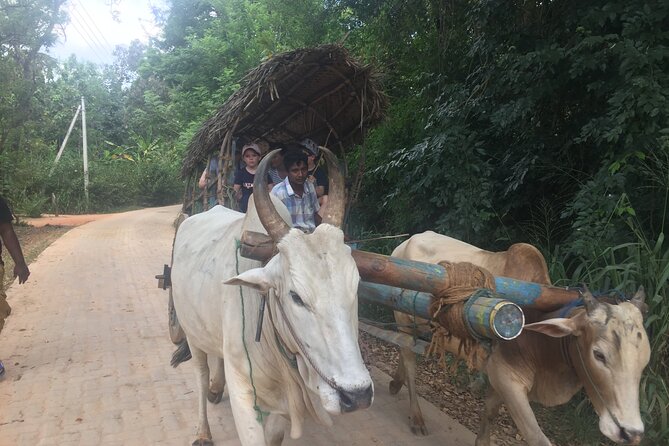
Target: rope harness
617	296
260	414
564	348
303	350
565	312
283	348
448	315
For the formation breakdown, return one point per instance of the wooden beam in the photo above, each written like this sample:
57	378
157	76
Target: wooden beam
395	337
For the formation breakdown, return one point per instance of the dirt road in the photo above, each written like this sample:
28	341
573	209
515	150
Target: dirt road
87	354
63	220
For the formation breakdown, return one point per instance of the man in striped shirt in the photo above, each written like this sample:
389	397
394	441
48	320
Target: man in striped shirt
298	194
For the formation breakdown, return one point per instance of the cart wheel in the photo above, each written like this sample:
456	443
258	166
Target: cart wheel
176	333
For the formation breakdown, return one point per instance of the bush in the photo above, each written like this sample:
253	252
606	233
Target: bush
34	206
113	186
28	184
158	184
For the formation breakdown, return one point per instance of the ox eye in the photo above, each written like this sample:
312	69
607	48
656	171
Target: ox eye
599	356
297	299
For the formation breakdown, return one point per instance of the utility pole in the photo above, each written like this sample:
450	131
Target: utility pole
62	146
85	148
82	108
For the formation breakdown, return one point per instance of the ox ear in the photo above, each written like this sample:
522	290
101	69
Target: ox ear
556	328
255	278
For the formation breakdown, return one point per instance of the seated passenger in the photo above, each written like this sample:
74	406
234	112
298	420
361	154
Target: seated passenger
209	174
277	171
243	183
298	194
315	172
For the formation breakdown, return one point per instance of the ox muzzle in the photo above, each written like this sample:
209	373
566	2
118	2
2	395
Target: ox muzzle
350	401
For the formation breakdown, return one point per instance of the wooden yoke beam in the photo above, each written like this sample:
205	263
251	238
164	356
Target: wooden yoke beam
425	277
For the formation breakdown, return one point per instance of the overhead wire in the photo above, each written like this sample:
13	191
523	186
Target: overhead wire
88	28
78	16
90	46
96	28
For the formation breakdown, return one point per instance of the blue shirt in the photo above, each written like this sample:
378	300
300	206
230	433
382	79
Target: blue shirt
302	209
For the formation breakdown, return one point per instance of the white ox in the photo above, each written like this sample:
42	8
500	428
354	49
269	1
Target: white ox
603	348
307	361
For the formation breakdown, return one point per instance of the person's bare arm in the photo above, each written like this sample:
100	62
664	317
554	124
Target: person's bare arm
202	183
238	191
12	243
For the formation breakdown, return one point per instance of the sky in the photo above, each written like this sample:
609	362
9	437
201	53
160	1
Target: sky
92	32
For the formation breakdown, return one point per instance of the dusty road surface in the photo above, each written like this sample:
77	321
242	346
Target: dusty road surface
87	354
63	220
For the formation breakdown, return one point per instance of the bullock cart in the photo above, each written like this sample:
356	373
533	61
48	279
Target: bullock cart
322	94
325	95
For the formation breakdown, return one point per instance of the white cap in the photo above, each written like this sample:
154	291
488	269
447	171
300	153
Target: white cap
253	146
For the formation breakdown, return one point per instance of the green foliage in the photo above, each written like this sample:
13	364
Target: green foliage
528	99
594	206
158	184
34	206
634	188
400	130
113	186
575	423
25	29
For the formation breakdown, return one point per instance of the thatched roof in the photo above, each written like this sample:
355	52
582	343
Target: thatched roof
319	93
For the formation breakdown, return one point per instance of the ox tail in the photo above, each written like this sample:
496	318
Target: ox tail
181	354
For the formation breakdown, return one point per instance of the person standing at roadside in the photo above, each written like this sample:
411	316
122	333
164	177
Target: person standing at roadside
21	270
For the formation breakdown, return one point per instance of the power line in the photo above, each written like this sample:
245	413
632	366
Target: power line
96	27
90	46
89	32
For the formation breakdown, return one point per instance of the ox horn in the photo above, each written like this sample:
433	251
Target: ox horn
275	226
639	300
334	211
589	301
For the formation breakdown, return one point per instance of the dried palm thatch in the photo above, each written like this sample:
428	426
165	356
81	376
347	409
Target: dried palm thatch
319	93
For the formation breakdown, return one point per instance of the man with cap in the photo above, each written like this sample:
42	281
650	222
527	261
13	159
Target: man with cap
243	183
